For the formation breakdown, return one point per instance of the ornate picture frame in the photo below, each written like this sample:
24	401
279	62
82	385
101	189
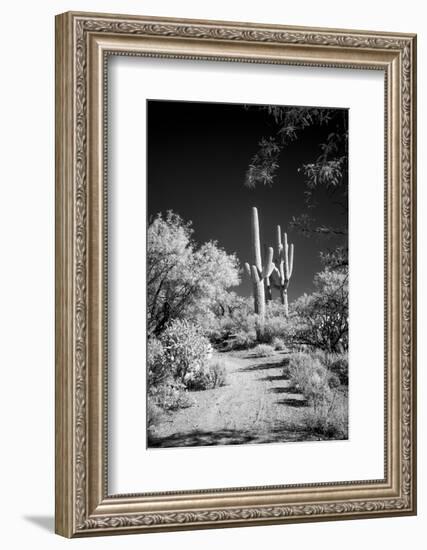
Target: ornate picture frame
83	43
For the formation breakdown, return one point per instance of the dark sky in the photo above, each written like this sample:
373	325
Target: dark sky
198	154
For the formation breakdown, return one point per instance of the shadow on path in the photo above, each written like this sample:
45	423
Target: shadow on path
284	389
198	438
273	378
264	366
293	402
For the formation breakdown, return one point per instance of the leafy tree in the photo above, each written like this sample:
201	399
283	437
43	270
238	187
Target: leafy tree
336	258
184	280
322	317
325	177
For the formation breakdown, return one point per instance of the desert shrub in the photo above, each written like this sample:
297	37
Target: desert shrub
311	377
278	344
277	326
186	350
169	396
336	363
325	357
264	350
218	331
321	320
243	340
248	323
236	330
328	412
333	381
339	367
329	418
154	414
229	316
242	328
157	367
210	377
286	371
218	373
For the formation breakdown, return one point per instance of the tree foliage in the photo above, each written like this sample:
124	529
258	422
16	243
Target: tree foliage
322	317
183	278
325	174
335	259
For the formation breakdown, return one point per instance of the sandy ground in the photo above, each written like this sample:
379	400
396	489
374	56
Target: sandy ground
257	405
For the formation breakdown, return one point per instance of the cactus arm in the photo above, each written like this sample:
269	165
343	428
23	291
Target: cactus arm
259	293
291	260
255	239
282	273
268	292
279	241
286	255
269	266
275	274
248	269
275	277
255	276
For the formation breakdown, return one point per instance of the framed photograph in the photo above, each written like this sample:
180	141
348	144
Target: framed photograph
235	274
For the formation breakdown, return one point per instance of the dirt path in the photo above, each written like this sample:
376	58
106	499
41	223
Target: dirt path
255	406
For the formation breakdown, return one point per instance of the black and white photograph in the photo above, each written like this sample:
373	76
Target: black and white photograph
247	274
213	262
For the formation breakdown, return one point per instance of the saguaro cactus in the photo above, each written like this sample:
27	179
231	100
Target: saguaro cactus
285	258
267	283
258	272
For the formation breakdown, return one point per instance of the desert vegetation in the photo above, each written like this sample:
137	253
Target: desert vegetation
196	320
226	366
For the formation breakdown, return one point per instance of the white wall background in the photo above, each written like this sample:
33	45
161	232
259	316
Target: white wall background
27	273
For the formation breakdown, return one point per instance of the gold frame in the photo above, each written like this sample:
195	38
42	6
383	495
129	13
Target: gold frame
83	42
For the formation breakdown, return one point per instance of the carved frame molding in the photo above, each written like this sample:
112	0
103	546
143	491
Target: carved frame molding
83	42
